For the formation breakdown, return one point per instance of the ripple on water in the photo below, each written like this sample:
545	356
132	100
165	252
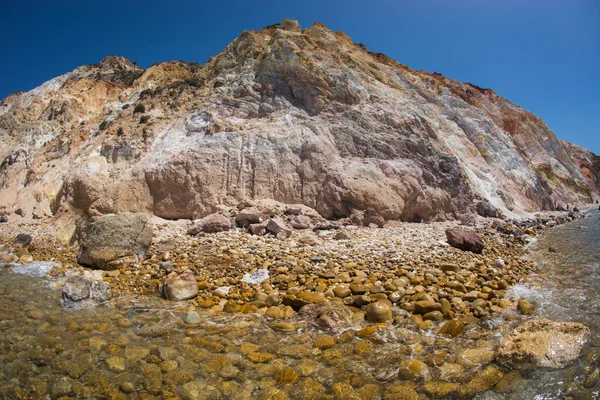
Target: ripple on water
36	268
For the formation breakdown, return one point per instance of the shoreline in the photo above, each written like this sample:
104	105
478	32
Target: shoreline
400	265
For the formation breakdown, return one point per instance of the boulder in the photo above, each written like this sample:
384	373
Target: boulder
3	219
279	228
114	237
180	287
22	240
210	224
81	292
465	239
247	216
543	343
300	222
328	315
258	229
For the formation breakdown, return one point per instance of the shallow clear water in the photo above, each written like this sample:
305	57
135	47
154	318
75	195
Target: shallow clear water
142	349
567	288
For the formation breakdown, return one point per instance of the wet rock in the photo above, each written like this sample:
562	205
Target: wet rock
427	306
434	316
484	380
26	258
543	343
440	390
113	237
526	307
199	390
279	228
22	240
192	317
464	239
180	287
210	224
452	328
379	312
342	291
329	315
475	357
413	370
153	331
80	292
451	372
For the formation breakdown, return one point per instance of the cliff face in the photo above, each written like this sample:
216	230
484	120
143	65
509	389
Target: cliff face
299	116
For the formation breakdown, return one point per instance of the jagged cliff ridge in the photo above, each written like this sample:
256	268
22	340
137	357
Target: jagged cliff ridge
299	116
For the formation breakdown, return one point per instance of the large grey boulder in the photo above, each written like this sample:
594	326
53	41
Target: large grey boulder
81	292
543	343
114	237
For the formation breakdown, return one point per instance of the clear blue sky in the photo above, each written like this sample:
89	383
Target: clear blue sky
541	54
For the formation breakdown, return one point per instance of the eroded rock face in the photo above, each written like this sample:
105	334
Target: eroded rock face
543	343
301	116
114	237
465	239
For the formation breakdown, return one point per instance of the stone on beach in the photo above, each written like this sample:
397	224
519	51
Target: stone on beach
180	287
22	240
465	239
328	315
210	224
279	228
379	312
256	277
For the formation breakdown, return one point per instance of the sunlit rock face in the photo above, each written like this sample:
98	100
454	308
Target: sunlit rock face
301	116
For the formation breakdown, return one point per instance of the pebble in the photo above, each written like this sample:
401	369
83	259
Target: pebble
378	312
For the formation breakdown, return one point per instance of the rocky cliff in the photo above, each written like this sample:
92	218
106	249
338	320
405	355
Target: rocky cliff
295	115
